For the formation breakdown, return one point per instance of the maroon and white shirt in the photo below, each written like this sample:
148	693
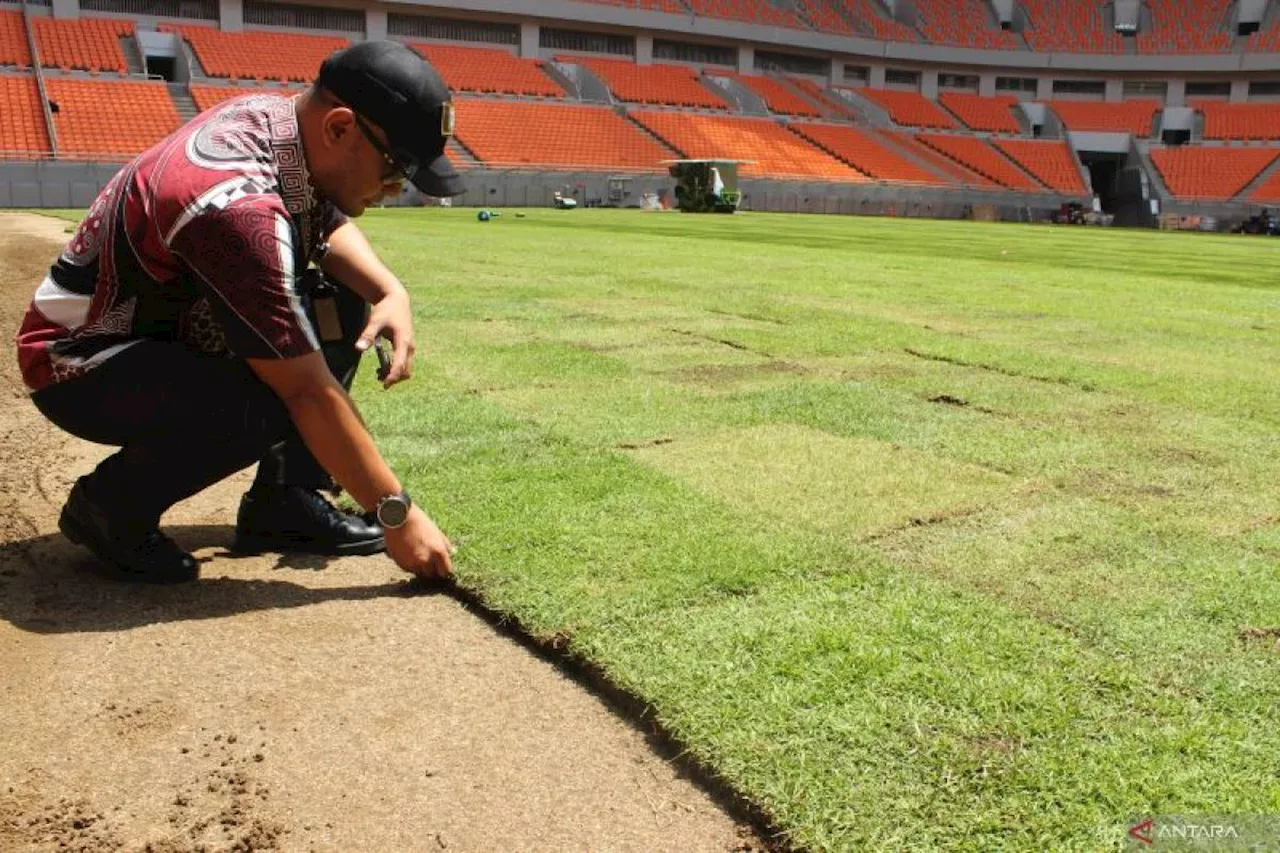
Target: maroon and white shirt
196	241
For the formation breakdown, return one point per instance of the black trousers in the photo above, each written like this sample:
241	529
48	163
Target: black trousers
184	420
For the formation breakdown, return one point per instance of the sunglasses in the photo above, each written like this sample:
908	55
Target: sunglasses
401	163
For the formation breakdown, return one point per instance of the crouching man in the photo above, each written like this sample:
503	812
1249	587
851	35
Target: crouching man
181	322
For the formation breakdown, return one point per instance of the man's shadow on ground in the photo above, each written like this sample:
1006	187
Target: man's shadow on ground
49	586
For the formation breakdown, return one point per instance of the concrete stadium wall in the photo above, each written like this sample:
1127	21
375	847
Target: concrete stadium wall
50	184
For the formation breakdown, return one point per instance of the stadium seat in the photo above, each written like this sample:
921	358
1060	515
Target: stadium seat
84	44
866	153
481	69
965	23
1053	163
1187	26
286	57
527	133
870	15
908	108
675	7
1210	173
670	85
141	114
748	12
825	18
1070	26
1119	117
13	41
776	96
981	158
1269	191
990	114
953	170
207	97
774	151
1239	121
1267	39
22	128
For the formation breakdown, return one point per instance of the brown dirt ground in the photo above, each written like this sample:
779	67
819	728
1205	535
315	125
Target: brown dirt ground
282	704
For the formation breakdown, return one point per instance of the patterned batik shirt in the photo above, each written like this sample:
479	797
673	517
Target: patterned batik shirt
197	241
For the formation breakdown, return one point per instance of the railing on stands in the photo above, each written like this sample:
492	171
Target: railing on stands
40	87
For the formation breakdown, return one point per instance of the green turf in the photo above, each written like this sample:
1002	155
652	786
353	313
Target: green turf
924	535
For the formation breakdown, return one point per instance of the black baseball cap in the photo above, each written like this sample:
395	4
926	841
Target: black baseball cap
390	85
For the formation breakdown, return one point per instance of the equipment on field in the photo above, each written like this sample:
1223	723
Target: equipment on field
560	201
486	214
706	186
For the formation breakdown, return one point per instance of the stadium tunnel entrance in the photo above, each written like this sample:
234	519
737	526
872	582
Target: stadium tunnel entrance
1120	185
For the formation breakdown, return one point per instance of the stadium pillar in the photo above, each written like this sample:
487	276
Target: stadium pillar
1044	89
746	59
1113	91
875	77
1177	94
1239	91
836	75
231	15
644	50
66	9
929	84
987	85
375	24
530	40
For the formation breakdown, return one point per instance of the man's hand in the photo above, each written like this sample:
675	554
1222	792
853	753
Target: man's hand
392	318
420	548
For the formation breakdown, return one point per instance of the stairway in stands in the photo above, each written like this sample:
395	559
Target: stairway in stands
182	100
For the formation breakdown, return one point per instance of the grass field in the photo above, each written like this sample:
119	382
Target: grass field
924	535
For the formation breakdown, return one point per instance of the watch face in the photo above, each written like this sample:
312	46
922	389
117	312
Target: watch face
393	512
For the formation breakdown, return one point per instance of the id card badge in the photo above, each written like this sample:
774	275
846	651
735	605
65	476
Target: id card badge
328	326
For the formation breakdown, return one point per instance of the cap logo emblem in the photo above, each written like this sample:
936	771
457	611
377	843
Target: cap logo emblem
447	118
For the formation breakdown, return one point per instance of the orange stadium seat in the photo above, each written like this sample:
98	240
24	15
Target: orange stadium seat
673	6
909	108
287	57
525	133
967	23
777	97
1269	192
1266	40
1187	26
13	40
141	114
990	114
22	128
482	69
982	158
774	151
824	17
671	85
866	153
1122	117
748	12
86	44
1051	162
1210	173
871	16
207	97
953	170
1239	121
1070	26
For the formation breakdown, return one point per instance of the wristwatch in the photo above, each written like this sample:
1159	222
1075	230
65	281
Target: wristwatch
393	510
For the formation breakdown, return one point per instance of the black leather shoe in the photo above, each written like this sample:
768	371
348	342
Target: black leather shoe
296	518
144	555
